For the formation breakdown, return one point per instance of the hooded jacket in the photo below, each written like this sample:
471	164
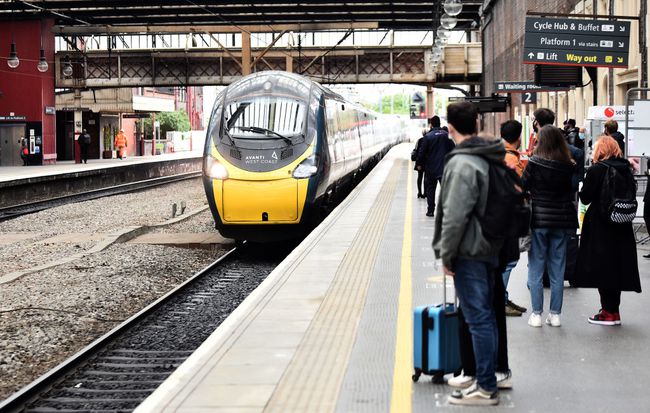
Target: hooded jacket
463	198
432	152
620	139
550	185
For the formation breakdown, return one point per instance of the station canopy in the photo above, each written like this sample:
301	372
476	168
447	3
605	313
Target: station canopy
400	15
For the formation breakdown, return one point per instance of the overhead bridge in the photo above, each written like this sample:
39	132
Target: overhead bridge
197	67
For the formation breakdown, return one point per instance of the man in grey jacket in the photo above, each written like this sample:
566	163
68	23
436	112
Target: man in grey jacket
466	254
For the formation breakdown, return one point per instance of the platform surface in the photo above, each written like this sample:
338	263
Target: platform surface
12	173
330	330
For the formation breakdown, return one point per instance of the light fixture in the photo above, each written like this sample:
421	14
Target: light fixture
441	32
42	63
67	66
453	7
440	41
13	61
448	22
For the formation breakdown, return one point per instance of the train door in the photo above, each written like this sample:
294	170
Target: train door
10	136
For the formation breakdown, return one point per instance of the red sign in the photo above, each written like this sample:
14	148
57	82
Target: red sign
609	112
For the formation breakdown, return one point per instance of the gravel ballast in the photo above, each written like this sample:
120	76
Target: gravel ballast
47	316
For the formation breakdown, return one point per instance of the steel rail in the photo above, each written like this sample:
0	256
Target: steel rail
18	210
29	393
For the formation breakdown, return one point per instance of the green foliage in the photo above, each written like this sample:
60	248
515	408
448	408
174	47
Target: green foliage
169	121
401	104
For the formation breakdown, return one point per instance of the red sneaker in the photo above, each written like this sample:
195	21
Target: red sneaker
617	318
604	318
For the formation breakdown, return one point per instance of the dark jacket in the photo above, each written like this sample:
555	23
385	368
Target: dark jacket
607	256
84	139
578	156
418	149
620	139
433	150
463	199
551	192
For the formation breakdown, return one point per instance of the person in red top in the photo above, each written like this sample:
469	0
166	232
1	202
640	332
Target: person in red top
120	144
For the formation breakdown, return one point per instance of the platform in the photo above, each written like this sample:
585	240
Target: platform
330	330
20	184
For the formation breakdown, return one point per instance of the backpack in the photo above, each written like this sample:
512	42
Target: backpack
507	213
618	202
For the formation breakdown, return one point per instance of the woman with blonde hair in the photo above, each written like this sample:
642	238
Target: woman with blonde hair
607	256
548	178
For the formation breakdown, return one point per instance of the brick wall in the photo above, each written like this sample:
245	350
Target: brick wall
503	43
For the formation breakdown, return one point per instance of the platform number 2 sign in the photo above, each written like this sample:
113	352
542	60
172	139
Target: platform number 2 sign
529	97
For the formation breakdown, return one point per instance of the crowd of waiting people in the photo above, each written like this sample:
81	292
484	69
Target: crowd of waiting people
553	179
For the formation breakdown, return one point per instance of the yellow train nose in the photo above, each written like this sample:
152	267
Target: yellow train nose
261	201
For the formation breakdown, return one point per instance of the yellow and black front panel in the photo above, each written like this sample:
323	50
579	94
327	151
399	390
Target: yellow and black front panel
260	201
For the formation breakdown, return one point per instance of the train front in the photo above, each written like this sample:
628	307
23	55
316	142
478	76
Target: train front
261	162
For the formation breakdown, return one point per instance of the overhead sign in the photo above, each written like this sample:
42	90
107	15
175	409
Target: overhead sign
524	87
573	42
12	118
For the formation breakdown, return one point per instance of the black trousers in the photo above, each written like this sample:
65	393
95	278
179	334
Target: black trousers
84	153
430	185
466	349
420	178
610	300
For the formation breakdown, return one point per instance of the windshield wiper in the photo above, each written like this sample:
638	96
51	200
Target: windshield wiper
232	141
264	131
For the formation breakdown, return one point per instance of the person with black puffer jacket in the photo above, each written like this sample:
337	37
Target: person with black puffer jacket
548	178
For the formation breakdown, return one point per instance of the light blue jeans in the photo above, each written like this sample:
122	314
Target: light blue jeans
506	275
547	250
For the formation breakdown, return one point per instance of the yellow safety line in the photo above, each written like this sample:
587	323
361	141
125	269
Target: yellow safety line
401	401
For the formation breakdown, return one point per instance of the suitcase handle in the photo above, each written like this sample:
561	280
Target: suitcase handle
444	294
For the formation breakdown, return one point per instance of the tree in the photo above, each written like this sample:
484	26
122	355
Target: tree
169	121
401	104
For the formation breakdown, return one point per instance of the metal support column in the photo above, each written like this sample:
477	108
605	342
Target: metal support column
429	101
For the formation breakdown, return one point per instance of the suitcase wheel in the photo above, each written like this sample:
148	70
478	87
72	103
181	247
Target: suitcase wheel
438	378
417	375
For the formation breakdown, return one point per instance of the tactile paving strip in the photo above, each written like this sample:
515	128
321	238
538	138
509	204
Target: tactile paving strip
313	379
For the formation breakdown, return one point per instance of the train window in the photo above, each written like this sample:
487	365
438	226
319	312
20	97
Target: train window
266	117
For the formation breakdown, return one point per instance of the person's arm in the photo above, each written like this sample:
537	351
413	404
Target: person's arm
422	152
458	197
526	177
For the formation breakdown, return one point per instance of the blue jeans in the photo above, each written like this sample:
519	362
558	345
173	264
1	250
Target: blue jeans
547	250
474	282
506	275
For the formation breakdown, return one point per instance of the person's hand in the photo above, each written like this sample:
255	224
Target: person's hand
419	167
447	271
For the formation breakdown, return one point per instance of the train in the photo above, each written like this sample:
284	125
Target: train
280	147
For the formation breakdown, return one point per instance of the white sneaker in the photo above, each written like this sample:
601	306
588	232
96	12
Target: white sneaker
461	382
535	320
504	380
553	320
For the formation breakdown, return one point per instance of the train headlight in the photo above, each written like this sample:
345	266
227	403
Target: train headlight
306	168
214	169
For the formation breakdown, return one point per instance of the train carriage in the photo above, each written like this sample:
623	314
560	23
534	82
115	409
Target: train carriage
278	147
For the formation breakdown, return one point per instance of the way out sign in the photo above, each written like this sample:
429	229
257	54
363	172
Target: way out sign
576	42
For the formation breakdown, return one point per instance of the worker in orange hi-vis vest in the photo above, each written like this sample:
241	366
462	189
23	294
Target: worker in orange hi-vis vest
120	144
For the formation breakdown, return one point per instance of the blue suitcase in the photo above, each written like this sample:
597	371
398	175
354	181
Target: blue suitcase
436	348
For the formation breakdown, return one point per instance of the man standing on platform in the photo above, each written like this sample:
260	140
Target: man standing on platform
431	157
120	144
84	143
466	254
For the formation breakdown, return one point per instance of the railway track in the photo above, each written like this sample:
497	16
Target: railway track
119	370
15	211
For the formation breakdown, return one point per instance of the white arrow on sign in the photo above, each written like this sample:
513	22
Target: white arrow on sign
621	44
531	55
621	29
